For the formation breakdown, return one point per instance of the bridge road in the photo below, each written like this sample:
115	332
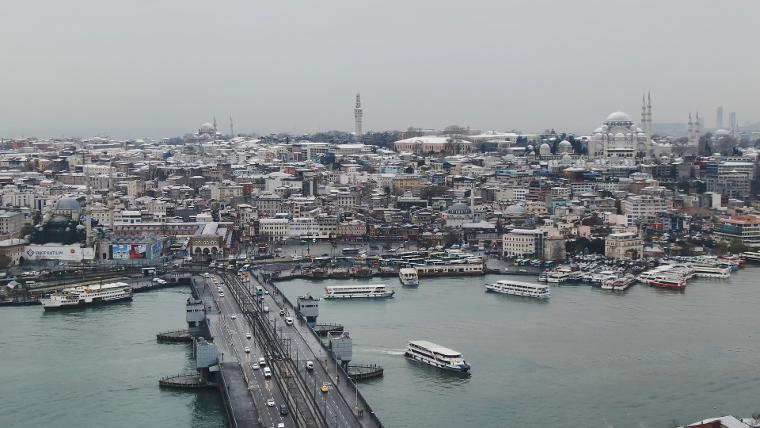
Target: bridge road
337	407
232	341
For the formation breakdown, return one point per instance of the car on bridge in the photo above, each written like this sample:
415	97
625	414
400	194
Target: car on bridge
289	320
270	402
325	388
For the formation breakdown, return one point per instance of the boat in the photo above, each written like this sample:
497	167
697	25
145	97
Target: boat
517	288
618	284
408	277
436	356
708	271
377	291
751	256
87	295
668	281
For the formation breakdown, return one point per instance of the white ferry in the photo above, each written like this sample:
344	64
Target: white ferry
706	271
517	288
377	291
408	277
436	356
87	295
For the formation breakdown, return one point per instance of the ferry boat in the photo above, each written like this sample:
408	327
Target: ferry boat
668	281
436	356
409	277
377	291
706	271
517	288
87	295
619	284
752	256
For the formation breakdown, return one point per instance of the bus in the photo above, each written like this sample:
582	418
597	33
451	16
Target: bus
259	291
149	271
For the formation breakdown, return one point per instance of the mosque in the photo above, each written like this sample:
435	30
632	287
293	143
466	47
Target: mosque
619	138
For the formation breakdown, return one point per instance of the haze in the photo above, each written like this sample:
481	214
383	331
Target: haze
160	68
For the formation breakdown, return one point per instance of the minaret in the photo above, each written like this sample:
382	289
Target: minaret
649	116
232	128
358	113
110	195
214	130
643	113
691	131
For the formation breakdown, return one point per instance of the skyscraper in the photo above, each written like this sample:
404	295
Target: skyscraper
719	118
358	113
732	122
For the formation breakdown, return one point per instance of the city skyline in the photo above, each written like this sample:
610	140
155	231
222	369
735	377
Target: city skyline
540	65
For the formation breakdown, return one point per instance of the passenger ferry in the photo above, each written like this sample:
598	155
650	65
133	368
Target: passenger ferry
668	281
708	271
87	295
517	288
619	284
378	291
408	277
436	356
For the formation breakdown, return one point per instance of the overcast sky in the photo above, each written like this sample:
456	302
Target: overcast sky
157	68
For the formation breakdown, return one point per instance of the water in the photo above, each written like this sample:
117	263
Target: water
588	357
99	367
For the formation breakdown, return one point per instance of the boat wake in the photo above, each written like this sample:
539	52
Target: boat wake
385	351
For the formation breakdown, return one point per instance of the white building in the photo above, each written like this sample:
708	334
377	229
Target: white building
523	243
274	229
624	245
618	137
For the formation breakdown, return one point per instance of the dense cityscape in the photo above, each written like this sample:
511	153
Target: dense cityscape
379	214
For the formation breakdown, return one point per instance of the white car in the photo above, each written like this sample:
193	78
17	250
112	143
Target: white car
221	294
247	349
262	362
248	335
282	312
271	403
266	309
281	425
255	366
289	320
233	316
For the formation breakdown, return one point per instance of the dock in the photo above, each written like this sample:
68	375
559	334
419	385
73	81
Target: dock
185	381
357	372
322	330
175	336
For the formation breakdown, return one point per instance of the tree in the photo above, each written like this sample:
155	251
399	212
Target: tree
720	247
736	246
5	261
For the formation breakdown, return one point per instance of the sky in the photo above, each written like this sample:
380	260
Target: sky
160	68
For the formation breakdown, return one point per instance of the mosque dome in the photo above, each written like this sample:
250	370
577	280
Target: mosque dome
565	147
459	208
545	149
206	128
515	209
68	204
529	148
618	116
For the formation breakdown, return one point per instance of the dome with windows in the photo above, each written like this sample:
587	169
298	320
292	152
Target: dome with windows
565	147
545	149
459	208
68	204
618	116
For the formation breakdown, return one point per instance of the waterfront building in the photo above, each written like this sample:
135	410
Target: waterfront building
624	245
523	243
743	229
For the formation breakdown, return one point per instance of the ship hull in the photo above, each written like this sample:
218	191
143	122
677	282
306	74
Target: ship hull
83	303
458	369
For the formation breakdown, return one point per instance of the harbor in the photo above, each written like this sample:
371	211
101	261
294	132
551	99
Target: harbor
546	352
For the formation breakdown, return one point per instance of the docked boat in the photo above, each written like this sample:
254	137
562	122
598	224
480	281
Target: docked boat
408	277
517	288
708	271
377	291
87	295
436	356
668	281
752	256
619	284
